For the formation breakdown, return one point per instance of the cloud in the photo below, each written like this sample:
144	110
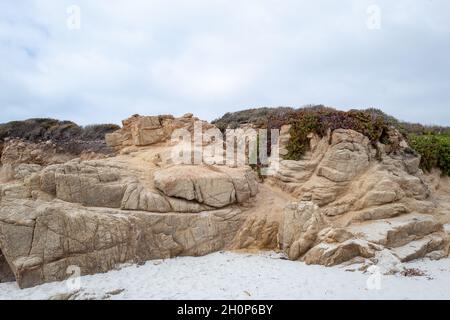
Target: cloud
213	56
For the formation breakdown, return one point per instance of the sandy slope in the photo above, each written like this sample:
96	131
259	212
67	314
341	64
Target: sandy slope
233	275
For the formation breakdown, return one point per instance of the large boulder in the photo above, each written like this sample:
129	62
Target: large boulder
357	200
173	189
215	188
40	240
149	130
96	214
301	223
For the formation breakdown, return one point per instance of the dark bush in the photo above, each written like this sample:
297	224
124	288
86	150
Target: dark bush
67	135
97	131
55	130
259	117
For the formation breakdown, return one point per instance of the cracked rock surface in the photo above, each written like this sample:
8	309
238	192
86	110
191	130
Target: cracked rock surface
346	201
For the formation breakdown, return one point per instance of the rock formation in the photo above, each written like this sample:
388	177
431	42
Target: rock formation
355	201
345	201
148	130
95	214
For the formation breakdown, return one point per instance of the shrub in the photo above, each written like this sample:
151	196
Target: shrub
317	118
320	121
39	129
97	131
301	127
258	117
434	149
50	129
68	136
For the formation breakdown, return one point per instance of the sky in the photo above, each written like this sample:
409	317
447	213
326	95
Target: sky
104	60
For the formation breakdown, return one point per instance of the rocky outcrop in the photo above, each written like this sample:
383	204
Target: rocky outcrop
346	200
148	130
17	151
95	214
174	189
215	188
356	200
284	140
41	240
302	222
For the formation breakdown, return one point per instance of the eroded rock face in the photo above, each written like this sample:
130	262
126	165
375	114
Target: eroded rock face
148	130
302	222
40	240
95	214
215	188
16	151
344	200
356	201
177	188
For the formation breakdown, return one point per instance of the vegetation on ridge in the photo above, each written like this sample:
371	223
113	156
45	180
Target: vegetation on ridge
431	142
67	135
434	149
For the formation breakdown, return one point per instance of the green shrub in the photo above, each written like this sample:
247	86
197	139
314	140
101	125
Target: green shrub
371	122
301	127
434	149
308	121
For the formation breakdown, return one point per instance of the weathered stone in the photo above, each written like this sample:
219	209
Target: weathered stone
353	201
41	240
301	223
213	188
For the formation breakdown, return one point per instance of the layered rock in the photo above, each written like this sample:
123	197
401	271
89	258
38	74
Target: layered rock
111	184
148	130
216	187
346	200
356	200
95	214
41	240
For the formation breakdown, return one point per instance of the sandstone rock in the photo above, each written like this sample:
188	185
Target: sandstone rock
344	201
149	130
95	214
16	151
396	232
419	248
362	204
213	188
330	254
284	139
257	233
6	274
41	240
181	188
301	224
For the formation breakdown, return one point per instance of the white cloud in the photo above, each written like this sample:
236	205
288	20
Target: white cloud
213	56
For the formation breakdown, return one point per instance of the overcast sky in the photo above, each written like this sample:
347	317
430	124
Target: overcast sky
210	57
